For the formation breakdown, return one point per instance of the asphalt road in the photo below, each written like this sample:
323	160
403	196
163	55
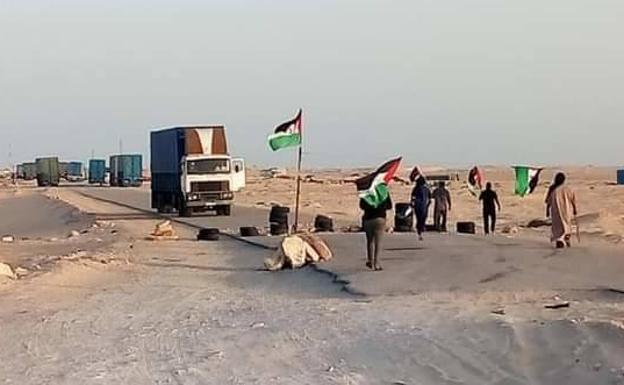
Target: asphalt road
443	263
140	198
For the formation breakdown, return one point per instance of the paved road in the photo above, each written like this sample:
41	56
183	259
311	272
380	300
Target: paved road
458	264
34	215
443	263
140	198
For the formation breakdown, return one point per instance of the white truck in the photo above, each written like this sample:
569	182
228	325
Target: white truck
192	170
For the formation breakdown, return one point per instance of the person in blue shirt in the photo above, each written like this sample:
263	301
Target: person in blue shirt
421	200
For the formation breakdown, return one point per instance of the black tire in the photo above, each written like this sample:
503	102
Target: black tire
226	210
466	228
278	229
208	234
402	229
185	211
401	210
249	231
279	214
323	223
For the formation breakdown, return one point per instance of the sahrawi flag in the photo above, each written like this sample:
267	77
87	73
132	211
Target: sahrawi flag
527	179
475	180
287	134
373	188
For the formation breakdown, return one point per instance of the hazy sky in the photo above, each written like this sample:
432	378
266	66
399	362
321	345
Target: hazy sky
453	82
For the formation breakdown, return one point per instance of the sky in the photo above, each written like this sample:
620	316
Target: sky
450	82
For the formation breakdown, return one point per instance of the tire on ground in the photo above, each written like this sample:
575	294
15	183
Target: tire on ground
323	223
249	231
466	227
208	234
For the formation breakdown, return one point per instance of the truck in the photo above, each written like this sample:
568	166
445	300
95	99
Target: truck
75	172
63	169
192	170
19	171
126	170
29	171
47	171
97	171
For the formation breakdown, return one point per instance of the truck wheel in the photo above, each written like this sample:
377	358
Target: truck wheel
186	211
225	210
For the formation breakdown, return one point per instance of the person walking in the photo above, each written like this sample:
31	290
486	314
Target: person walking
442	205
561	207
374	225
421	199
490	203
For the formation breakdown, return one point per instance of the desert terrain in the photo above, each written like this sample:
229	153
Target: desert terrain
329	192
95	302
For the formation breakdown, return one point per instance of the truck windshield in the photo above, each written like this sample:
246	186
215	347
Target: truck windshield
208	166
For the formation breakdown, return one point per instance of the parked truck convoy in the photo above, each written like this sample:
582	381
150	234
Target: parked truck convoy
192	170
126	170
75	172
97	171
48	173
29	171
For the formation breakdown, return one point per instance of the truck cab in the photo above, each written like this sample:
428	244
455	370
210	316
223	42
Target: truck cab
192	170
209	182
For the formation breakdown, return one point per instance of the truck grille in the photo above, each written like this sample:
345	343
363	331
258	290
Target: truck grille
218	186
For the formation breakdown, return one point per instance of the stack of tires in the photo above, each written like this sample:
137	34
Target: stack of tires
323	223
278	220
403	218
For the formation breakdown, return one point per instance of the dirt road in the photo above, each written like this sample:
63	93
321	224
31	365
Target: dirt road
201	313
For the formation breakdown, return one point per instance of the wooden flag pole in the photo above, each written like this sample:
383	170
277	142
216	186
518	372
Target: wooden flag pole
298	190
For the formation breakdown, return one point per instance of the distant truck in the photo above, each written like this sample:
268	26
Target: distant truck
97	171
126	170
63	169
75	172
19	171
47	171
192	170
29	171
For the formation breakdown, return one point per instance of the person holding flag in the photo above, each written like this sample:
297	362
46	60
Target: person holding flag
375	201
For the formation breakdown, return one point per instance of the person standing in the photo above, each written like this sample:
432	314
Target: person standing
374	224
490	203
561	207
441	207
421	199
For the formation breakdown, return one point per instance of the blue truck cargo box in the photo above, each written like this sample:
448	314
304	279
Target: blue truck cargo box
97	171
126	170
620	176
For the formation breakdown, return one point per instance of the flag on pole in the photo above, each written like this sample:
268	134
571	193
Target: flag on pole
527	179
415	174
373	188
475	180
287	134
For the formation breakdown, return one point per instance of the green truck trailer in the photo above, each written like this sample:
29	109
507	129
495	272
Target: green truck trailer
48	173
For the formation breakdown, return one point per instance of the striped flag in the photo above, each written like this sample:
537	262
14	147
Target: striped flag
527	179
475	180
373	188
287	134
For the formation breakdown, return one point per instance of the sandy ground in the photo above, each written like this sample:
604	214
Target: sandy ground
601	202
200	313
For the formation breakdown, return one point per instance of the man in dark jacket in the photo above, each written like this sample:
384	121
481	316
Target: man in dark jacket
490	202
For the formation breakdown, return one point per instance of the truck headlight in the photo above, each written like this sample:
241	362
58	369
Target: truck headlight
193	197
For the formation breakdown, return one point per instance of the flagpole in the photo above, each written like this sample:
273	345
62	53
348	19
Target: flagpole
298	189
